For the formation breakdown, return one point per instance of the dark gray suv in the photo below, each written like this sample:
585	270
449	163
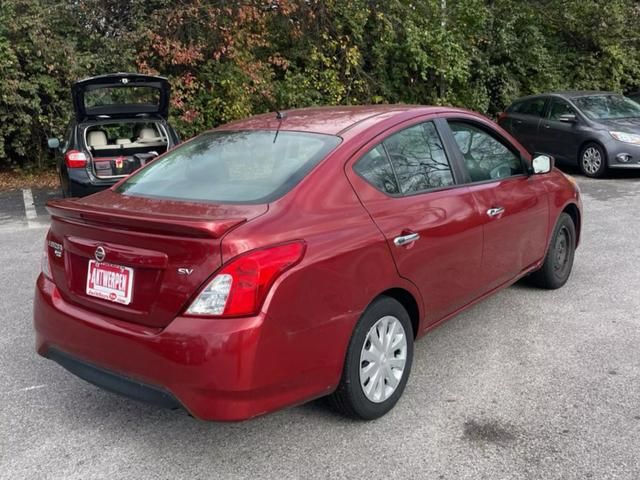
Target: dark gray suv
594	130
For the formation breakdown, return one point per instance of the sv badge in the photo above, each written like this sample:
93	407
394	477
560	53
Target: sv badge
185	271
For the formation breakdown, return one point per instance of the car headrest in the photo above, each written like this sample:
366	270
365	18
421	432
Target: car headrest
96	138
147	132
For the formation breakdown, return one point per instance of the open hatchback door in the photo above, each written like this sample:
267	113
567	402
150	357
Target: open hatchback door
118	95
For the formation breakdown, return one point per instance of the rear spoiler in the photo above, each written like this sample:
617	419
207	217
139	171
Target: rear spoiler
71	212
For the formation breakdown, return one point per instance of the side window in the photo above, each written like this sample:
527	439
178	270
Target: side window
534	107
375	168
419	160
559	108
485	157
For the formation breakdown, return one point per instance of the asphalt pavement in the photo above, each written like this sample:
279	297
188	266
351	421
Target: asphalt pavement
529	384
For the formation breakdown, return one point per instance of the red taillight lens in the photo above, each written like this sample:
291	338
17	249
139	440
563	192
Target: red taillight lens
502	116
75	159
241	286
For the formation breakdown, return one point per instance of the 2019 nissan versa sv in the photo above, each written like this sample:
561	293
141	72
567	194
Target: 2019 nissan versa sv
120	124
287	257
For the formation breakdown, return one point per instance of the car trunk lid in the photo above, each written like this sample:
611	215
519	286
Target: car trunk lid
120	95
167	253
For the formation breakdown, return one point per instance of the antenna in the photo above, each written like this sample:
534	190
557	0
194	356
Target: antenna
279	116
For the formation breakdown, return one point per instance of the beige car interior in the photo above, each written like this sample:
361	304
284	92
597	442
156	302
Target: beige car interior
146	137
114	155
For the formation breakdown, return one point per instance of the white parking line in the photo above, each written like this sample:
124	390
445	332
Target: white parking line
29	208
26	389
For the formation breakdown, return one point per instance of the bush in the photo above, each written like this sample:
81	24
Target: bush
227	60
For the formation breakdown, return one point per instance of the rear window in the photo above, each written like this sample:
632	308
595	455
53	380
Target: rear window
232	167
99	96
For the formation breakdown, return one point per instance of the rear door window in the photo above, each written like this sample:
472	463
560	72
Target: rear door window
418	159
376	169
232	167
533	107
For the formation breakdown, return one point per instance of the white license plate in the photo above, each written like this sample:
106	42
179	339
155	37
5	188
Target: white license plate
110	282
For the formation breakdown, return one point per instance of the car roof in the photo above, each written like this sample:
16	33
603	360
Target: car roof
565	94
338	120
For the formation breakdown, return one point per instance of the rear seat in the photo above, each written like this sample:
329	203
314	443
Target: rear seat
97	139
147	138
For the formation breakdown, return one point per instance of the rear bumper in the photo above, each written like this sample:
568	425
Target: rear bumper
81	183
112	381
222	369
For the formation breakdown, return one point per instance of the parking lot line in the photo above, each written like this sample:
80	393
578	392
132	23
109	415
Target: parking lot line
29	207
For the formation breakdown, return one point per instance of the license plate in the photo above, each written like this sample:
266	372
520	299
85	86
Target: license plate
110	282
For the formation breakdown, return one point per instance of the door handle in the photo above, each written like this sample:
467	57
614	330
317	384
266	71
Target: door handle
546	125
494	212
403	240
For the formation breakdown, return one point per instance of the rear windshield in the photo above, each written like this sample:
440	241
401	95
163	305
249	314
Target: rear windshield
99	96
603	107
232	167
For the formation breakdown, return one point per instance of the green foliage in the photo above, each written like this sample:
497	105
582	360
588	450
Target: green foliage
228	60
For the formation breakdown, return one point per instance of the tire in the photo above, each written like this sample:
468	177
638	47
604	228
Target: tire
593	161
556	269
352	398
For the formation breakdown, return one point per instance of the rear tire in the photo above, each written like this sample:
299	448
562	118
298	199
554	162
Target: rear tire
558	263
593	161
378	362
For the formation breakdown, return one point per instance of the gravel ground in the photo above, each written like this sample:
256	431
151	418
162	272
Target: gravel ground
529	384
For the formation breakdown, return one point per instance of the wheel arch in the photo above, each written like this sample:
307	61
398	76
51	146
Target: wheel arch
409	302
574	212
587	142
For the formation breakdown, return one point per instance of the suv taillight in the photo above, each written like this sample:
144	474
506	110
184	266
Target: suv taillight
241	286
75	159
502	116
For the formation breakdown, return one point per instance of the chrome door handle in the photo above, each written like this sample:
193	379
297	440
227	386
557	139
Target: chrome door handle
494	212
405	239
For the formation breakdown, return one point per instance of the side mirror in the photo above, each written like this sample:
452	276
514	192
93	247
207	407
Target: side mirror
568	118
542	163
53	143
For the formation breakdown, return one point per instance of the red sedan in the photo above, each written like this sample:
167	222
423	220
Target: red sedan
296	255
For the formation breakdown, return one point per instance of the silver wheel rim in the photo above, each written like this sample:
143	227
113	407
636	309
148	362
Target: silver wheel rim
383	359
591	160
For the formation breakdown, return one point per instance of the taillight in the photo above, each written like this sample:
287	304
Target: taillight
45	266
75	159
502	116
241	286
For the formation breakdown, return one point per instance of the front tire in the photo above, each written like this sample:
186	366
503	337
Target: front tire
378	362
558	263
593	161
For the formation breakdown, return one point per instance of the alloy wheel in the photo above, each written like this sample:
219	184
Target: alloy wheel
383	359
591	160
